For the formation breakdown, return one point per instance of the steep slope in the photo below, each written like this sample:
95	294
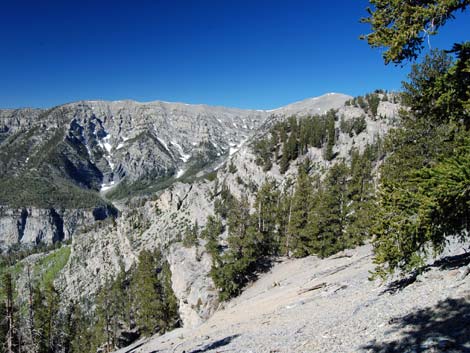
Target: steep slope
117	137
161	221
313	305
66	158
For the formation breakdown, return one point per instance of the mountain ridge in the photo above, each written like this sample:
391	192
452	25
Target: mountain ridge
134	101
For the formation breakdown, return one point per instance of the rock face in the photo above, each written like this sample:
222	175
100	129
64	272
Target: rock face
101	143
329	305
110	141
31	226
195	291
92	147
13	120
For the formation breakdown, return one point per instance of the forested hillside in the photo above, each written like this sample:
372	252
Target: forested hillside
121	220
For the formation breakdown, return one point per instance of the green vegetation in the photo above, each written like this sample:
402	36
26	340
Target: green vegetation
39	314
141	187
423	198
418	208
138	302
353	126
190	237
152	184
370	102
292	138
306	218
401	26
48	267
46	172
41	192
424	194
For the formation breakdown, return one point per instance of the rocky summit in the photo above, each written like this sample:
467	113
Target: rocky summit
59	168
195	223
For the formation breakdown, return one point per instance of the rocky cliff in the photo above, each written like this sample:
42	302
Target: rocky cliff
160	165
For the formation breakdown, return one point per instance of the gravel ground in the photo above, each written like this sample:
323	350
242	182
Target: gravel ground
312	305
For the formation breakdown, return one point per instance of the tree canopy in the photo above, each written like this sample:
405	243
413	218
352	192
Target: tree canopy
423	193
402	26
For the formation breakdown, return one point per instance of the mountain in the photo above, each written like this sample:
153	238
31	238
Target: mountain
57	161
97	184
313	106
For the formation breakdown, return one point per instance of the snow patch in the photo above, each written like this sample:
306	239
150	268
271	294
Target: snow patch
108	186
183	156
108	147
236	148
180	173
105	145
163	144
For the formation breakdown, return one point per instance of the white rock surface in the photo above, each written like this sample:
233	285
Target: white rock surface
348	313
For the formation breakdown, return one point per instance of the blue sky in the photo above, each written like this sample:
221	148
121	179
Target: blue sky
244	53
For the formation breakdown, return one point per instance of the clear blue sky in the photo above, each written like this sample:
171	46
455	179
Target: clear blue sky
241	53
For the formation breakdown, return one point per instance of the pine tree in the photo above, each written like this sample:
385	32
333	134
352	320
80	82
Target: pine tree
211	233
266	214
82	337
401	26
331	135
46	309
302	202
233	268
8	323
190	238
147	291
104	337
430	135
328	219
170	317
284	216
361	199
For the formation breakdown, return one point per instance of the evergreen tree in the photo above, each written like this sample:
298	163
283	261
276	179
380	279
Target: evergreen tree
211	233
328	219
82	337
170	317
373	101
410	216
402	26
361	198
302	202
331	135
266	215
8	326
233	268
263	150
46	310
285	215
147	291
190	238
